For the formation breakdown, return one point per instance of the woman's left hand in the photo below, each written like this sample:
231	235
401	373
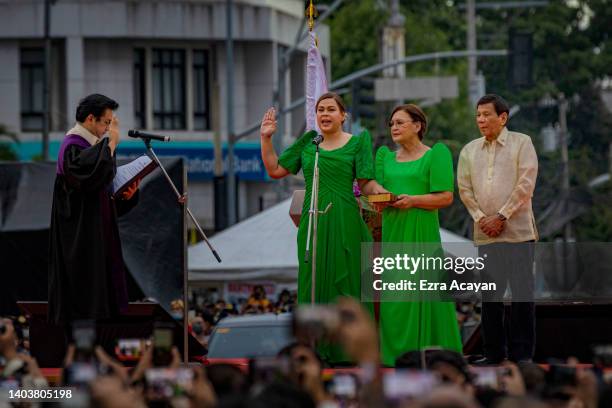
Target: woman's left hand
378	189
404	202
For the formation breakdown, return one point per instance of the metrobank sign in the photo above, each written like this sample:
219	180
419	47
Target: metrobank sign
200	158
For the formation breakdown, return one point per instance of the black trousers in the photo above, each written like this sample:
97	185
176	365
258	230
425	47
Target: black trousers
508	335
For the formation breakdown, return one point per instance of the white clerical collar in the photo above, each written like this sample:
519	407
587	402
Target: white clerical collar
80	130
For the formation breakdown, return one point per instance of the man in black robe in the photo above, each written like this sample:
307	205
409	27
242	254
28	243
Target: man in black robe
87	275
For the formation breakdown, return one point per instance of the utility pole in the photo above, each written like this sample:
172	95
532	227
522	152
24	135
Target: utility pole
471	46
476	81
610	160
393	48
231	175
565	178
47	82
393	42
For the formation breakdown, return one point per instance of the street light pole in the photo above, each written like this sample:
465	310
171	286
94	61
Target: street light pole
565	178
231	175
47	82
471	46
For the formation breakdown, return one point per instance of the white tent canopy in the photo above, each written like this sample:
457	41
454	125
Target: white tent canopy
264	247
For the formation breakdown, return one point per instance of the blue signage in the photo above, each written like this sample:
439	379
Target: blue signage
200	159
199	156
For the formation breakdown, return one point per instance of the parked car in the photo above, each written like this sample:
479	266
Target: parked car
237	339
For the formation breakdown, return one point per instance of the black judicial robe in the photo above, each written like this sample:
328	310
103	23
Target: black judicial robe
87	275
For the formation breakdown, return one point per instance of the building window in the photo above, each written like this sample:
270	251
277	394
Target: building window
139	88
201	110
32	81
169	89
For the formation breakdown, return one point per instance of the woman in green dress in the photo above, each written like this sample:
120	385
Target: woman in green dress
342	159
422	178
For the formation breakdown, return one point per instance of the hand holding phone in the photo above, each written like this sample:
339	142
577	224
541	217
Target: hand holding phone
84	336
166	383
162	345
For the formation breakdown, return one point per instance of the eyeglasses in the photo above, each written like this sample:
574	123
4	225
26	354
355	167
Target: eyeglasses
400	123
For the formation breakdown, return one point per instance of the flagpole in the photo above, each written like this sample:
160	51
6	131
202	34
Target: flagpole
313	212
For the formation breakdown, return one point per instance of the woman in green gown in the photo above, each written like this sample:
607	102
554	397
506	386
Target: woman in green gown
422	178
342	159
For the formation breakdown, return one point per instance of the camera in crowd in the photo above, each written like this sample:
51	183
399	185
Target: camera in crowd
405	385
168	383
84	367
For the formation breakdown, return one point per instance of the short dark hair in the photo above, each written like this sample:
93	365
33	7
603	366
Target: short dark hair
416	114
498	102
451	358
94	104
227	380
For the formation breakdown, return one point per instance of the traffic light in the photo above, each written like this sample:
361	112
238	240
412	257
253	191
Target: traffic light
520	59
363	99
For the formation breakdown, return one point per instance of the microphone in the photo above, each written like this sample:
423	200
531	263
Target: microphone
317	139
143	135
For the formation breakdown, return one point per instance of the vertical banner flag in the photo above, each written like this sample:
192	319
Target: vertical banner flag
316	82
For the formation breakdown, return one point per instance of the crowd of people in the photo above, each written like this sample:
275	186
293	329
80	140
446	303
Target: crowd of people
296	377
208	314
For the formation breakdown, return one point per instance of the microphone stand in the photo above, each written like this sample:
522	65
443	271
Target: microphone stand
182	199
313	215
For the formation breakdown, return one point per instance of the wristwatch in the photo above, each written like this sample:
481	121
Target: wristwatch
501	217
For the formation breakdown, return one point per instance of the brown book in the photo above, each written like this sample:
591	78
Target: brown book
381	198
129	173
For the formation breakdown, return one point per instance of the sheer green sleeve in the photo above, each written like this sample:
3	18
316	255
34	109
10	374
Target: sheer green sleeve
381	155
291	158
364	164
441	176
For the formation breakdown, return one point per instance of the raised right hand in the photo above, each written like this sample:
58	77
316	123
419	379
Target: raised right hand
268	123
113	131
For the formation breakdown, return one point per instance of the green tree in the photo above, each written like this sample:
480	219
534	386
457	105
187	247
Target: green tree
355	30
572	54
